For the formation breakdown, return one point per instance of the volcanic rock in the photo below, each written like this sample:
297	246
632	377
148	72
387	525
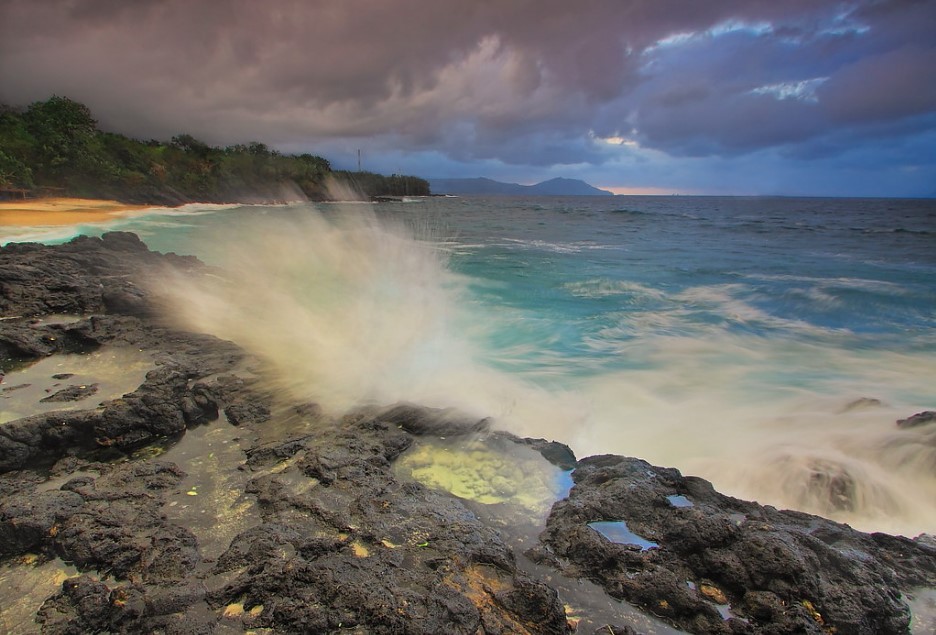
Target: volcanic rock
724	565
333	538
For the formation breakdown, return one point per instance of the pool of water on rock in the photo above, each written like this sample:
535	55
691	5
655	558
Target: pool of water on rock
93	377
489	471
210	501
511	487
26	582
617	531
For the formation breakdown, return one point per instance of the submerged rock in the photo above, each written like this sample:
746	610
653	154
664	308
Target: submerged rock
71	393
919	419
161	407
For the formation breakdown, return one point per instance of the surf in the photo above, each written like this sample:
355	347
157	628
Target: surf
348	307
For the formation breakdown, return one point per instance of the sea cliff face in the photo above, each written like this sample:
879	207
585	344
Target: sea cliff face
202	500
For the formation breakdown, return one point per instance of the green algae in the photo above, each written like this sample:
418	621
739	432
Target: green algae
486	471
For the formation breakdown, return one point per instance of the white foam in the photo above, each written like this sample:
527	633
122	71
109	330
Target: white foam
349	309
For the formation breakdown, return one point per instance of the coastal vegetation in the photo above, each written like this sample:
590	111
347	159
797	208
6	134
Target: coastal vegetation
55	147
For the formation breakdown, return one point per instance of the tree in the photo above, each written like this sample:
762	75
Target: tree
13	172
63	131
56	143
190	144
16	148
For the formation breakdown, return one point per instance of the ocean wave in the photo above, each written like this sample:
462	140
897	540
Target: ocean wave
767	419
48	235
56	234
193	209
697	312
891	230
723	300
605	287
921	232
543	245
629	212
858	284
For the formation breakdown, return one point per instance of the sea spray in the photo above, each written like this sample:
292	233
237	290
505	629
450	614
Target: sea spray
348	309
340	308
798	425
586	346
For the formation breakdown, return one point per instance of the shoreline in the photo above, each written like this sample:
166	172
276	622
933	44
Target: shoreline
240	510
58	211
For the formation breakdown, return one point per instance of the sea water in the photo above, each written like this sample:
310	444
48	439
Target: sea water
766	344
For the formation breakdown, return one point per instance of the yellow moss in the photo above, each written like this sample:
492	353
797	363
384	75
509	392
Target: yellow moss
713	593
573	617
233	610
283	465
359	550
120	598
418	537
813	612
29	559
255	611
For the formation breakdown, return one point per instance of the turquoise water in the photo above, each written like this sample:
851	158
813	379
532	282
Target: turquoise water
768	344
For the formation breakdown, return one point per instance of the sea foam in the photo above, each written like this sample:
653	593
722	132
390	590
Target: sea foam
349	308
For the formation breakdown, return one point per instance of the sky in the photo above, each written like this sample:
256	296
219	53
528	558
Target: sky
746	97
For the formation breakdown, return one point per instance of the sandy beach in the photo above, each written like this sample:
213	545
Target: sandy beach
60	211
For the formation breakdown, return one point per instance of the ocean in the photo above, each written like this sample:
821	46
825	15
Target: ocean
766	344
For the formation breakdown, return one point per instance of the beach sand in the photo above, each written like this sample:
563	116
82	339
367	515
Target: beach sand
60	211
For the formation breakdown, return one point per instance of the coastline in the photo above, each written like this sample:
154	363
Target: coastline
331	502
61	211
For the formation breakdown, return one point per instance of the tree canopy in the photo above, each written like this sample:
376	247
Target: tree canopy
56	144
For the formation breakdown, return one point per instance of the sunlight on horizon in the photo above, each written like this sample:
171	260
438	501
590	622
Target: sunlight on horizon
642	191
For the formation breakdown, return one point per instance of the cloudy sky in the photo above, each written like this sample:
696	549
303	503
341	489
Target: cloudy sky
716	97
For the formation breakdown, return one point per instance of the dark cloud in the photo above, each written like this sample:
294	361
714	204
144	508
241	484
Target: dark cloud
893	85
526	82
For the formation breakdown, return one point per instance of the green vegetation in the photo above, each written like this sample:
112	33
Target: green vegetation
54	146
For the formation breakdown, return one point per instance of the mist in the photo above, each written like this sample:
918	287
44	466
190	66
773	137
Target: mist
348	309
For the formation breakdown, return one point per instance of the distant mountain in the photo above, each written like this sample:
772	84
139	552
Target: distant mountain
552	187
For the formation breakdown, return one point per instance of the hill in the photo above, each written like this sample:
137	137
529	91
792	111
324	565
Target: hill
485	186
55	147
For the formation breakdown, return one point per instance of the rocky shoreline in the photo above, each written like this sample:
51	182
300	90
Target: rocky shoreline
200	502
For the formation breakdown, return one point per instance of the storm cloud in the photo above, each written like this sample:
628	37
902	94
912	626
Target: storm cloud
544	86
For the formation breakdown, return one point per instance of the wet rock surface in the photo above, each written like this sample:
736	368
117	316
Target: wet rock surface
87	275
723	565
326	535
344	544
919	419
71	393
340	542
